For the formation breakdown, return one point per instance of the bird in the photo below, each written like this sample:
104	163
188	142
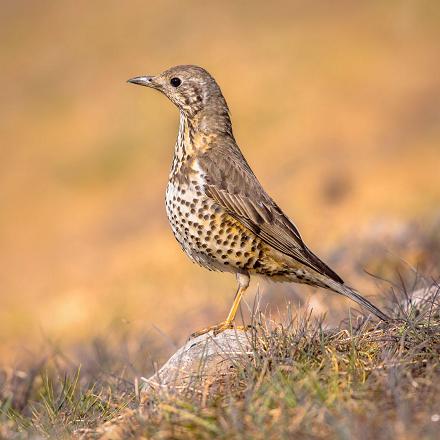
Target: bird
219	212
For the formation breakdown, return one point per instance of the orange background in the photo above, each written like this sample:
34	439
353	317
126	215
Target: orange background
334	104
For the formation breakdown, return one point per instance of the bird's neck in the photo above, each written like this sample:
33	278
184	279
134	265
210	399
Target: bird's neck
197	132
184	144
213	119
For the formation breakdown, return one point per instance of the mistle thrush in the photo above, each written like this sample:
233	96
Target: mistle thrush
219	213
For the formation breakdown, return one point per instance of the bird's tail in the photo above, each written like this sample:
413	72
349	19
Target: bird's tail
354	295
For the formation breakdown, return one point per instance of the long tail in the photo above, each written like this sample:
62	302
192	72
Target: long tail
343	289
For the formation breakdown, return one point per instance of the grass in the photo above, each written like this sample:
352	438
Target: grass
360	380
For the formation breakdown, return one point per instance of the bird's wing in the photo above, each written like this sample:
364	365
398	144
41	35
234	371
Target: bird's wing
231	183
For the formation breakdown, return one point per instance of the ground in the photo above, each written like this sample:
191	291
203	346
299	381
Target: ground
302	378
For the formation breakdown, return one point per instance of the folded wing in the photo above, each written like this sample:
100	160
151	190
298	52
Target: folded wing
231	183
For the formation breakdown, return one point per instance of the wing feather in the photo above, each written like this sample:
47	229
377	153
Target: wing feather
231	183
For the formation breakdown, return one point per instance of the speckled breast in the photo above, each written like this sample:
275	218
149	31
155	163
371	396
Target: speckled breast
207	234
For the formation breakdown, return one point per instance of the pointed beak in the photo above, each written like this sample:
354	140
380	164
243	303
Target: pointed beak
146	81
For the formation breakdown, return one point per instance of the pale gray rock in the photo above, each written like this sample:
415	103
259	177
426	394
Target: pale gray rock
201	362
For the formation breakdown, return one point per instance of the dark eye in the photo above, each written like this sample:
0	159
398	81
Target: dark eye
175	82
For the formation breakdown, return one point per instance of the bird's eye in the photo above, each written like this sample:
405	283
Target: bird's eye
175	82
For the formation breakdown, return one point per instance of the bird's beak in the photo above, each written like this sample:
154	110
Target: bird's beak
146	81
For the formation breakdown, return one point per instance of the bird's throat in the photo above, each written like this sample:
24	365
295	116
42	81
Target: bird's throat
198	133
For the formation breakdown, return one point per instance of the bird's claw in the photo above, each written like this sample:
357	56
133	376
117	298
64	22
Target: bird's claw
217	329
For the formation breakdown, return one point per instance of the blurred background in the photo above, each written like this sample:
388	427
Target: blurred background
334	104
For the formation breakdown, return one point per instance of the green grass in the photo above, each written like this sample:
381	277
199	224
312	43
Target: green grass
361	380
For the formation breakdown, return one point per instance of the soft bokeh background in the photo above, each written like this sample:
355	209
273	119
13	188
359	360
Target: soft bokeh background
335	105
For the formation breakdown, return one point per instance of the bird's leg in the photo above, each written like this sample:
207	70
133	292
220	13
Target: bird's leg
243	283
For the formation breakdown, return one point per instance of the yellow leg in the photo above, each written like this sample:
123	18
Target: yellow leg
243	283
235	305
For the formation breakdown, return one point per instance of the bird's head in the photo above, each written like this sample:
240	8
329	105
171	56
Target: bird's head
190	88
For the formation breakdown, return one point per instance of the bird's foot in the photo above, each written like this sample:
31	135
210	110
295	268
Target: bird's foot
216	329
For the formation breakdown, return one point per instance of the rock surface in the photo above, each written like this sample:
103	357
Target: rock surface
201	362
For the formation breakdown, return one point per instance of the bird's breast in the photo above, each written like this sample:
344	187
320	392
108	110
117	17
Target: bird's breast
190	212
207	233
